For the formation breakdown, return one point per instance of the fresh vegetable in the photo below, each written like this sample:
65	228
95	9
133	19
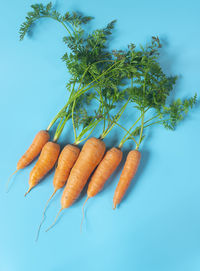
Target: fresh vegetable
45	163
89	64
112	158
66	161
128	172
90	156
41	138
149	91
104	170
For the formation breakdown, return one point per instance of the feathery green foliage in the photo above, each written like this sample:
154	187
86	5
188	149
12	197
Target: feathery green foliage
150	89
87	61
96	74
69	21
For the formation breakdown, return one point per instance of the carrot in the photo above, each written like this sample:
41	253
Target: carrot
104	170
41	138
90	156
35	148
45	163
128	172
66	161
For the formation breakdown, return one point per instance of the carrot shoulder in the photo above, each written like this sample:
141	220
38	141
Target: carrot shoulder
128	172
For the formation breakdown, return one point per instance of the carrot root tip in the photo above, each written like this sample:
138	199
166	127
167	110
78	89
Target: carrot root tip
28	191
7	184
114	206
44	215
83	214
54	221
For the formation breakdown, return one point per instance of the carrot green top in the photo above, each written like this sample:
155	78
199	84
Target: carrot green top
150	90
112	79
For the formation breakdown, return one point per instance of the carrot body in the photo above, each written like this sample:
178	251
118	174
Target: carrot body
90	156
45	163
66	161
128	172
104	170
35	148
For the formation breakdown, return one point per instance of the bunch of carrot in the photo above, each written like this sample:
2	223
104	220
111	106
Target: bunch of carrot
99	78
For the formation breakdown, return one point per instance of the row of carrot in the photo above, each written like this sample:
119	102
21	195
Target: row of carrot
74	167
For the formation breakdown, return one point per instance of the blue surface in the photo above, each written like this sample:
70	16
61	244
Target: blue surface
157	227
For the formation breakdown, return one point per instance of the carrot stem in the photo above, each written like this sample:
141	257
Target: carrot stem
124	139
127	133
141	131
46	16
79	93
117	117
73	122
61	127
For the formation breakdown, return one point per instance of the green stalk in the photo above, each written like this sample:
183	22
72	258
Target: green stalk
145	126
78	94
160	121
124	139
84	89
118	116
127	133
59	131
54	120
131	82
47	16
151	118
79	140
141	131
74	128
86	70
66	28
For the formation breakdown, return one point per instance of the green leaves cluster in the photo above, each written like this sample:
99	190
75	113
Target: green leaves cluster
151	87
110	78
88	52
175	112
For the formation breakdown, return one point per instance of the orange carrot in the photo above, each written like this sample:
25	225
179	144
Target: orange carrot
41	138
104	170
45	163
66	160
35	148
90	156
128	172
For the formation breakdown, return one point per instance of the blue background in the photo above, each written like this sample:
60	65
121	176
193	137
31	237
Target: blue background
157	227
